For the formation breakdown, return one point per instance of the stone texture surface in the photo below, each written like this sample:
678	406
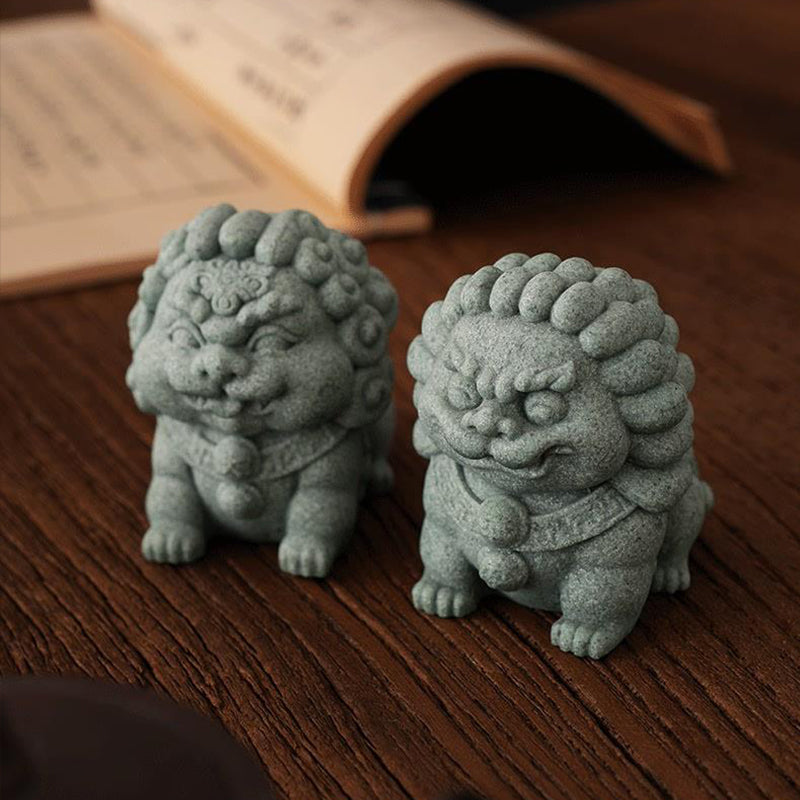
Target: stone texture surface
337	686
553	407
259	343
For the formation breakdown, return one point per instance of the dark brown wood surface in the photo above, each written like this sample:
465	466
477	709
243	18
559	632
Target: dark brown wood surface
339	686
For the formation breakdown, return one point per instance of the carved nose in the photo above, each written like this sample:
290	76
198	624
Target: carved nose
492	418
217	365
485	418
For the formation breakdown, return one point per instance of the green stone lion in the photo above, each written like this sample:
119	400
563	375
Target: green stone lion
259	342
553	408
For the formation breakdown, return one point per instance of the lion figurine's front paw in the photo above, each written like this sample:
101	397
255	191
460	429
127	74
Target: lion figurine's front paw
442	600
591	640
671	577
306	556
173	542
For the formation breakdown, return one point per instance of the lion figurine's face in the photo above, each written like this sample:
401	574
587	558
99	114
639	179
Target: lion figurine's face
521	402
243	348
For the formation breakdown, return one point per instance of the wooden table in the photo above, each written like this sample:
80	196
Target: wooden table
340	687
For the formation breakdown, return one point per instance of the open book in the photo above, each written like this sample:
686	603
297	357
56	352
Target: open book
120	125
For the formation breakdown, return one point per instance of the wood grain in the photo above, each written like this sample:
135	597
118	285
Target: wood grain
340	687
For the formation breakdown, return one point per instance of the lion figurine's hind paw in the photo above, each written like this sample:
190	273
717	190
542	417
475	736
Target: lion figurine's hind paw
590	640
173	542
441	600
671	578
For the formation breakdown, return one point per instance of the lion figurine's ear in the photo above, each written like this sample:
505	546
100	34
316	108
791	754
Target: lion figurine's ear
372	393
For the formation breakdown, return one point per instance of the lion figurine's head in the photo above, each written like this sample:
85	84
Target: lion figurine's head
251	322
551	376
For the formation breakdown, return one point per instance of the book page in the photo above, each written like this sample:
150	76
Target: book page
100	157
325	84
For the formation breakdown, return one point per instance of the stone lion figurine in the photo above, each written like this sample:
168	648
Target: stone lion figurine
259	342
553	408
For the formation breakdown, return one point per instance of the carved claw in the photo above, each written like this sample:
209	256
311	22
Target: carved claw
441	600
592	640
173	542
671	578
306	557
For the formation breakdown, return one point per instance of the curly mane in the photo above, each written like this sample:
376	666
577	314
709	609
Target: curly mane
354	294
619	324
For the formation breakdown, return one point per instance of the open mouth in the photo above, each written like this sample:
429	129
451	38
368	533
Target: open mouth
218	406
540	464
532	468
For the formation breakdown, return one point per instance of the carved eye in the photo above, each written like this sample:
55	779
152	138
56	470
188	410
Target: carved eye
184	337
462	393
545	408
270	340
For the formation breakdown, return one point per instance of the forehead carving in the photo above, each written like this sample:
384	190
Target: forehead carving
227	284
236	296
509	345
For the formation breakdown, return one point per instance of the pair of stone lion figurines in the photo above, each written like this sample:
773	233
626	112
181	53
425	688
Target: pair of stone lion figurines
552	405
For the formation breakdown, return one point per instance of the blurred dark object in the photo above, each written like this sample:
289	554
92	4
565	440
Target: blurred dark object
28	8
506	129
74	739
